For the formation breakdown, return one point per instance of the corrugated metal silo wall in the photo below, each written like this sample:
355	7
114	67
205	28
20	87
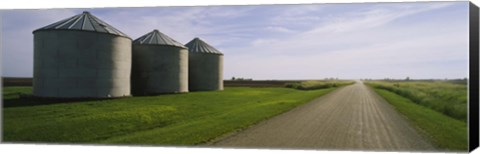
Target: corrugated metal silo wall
79	64
159	69
205	72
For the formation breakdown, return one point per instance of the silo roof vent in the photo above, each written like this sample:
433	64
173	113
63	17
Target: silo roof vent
84	22
157	38
199	46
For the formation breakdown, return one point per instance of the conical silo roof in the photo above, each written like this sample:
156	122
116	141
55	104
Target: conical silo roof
157	38
84	22
199	46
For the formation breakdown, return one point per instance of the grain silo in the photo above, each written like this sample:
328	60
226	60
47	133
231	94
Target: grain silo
81	57
159	65
205	66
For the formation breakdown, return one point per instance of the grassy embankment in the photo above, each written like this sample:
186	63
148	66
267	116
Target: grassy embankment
175	119
318	84
437	108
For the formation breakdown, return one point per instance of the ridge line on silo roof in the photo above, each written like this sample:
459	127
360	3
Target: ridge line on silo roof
74	23
199	46
155	37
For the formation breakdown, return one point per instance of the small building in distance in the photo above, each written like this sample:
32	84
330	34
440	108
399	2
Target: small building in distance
81	57
205	66
159	65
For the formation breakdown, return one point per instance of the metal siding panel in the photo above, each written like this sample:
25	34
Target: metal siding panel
77	68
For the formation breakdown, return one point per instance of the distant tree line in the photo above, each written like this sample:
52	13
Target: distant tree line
241	79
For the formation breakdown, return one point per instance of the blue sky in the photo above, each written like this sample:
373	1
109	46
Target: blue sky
351	41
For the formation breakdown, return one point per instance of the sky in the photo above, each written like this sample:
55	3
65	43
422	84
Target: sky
420	40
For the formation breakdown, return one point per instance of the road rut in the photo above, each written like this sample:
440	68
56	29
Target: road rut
350	118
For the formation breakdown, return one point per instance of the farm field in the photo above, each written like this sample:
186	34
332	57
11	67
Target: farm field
176	119
437	108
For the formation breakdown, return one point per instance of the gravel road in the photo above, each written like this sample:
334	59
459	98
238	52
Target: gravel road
350	118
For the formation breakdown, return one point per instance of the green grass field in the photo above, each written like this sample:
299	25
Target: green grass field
447	97
444	130
175	119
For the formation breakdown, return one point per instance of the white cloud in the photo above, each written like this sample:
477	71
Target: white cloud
299	14
279	29
372	18
364	44
182	24
262	42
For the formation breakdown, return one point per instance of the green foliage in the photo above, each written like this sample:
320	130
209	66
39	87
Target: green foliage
316	84
174	119
442	96
446	132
